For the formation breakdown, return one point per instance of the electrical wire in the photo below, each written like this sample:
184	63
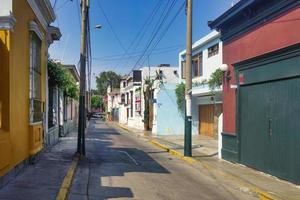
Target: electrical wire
118	56
141	33
111	27
158	28
166	30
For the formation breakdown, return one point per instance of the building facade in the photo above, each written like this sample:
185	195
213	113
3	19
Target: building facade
206	102
130	112
261	85
163	80
24	41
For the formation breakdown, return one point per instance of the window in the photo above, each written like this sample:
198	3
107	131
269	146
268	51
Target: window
36	105
213	50
183	67
124	84
197	66
123	98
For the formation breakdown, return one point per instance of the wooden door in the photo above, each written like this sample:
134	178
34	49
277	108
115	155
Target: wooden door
206	120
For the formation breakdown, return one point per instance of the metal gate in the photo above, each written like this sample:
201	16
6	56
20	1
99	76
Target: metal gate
270	127
269	114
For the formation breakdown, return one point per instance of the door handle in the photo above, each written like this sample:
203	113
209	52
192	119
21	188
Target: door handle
270	127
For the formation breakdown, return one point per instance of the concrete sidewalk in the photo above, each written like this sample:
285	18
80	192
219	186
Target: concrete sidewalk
42	181
266	186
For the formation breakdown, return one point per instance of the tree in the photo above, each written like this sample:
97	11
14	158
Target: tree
107	78
96	102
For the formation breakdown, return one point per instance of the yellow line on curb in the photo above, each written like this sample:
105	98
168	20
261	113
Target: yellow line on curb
263	195
66	184
174	152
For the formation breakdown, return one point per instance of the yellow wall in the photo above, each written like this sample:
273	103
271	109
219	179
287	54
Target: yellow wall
19	137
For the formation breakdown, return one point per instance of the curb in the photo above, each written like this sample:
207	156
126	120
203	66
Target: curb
66	184
173	152
263	195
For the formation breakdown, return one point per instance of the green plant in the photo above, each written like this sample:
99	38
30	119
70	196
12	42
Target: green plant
197	83
59	76
147	95
215	80
96	102
180	94
105	79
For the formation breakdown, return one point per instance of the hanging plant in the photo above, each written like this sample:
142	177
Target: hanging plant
180	95
59	76
215	80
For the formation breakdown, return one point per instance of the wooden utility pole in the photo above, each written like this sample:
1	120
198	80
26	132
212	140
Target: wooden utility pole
83	53
188	83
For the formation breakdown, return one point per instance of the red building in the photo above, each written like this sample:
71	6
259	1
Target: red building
261	88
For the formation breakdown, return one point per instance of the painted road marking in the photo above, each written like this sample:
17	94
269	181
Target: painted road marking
131	158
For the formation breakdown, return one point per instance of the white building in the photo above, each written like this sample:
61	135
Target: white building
161	75
206	103
113	103
132	91
130	112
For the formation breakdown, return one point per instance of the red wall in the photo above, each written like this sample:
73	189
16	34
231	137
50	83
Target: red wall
276	34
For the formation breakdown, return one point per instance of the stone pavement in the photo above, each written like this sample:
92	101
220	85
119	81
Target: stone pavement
42	180
249	177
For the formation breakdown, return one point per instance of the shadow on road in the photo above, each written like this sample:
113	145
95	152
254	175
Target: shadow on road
110	155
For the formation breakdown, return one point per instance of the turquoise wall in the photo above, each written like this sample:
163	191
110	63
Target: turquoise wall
169	120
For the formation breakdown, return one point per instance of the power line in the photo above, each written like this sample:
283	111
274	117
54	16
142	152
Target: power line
78	11
142	30
63	5
155	33
166	30
111	27
117	56
138	55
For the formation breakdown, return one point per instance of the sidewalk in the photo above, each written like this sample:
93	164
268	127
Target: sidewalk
266	186
42	181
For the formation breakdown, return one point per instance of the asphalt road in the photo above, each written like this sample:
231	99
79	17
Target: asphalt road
121	166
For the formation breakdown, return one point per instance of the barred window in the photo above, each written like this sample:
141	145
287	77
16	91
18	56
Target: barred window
197	65
36	105
213	50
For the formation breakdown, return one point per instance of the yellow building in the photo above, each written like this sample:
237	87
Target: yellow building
25	36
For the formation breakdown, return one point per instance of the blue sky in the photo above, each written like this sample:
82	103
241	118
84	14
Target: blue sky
127	18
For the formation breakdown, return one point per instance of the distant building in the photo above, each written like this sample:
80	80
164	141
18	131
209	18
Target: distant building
113	103
162	97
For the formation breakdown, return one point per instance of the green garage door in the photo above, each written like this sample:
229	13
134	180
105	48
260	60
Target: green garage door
270	127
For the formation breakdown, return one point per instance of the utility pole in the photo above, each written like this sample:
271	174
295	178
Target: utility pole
82	106
188	83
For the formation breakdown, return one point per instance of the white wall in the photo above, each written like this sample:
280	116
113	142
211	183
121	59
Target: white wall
6	7
210	64
168	74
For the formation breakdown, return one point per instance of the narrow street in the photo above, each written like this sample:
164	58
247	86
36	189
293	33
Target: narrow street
122	166
118	165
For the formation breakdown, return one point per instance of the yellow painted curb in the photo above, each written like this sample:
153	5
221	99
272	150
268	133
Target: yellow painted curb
262	194
174	152
66	184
